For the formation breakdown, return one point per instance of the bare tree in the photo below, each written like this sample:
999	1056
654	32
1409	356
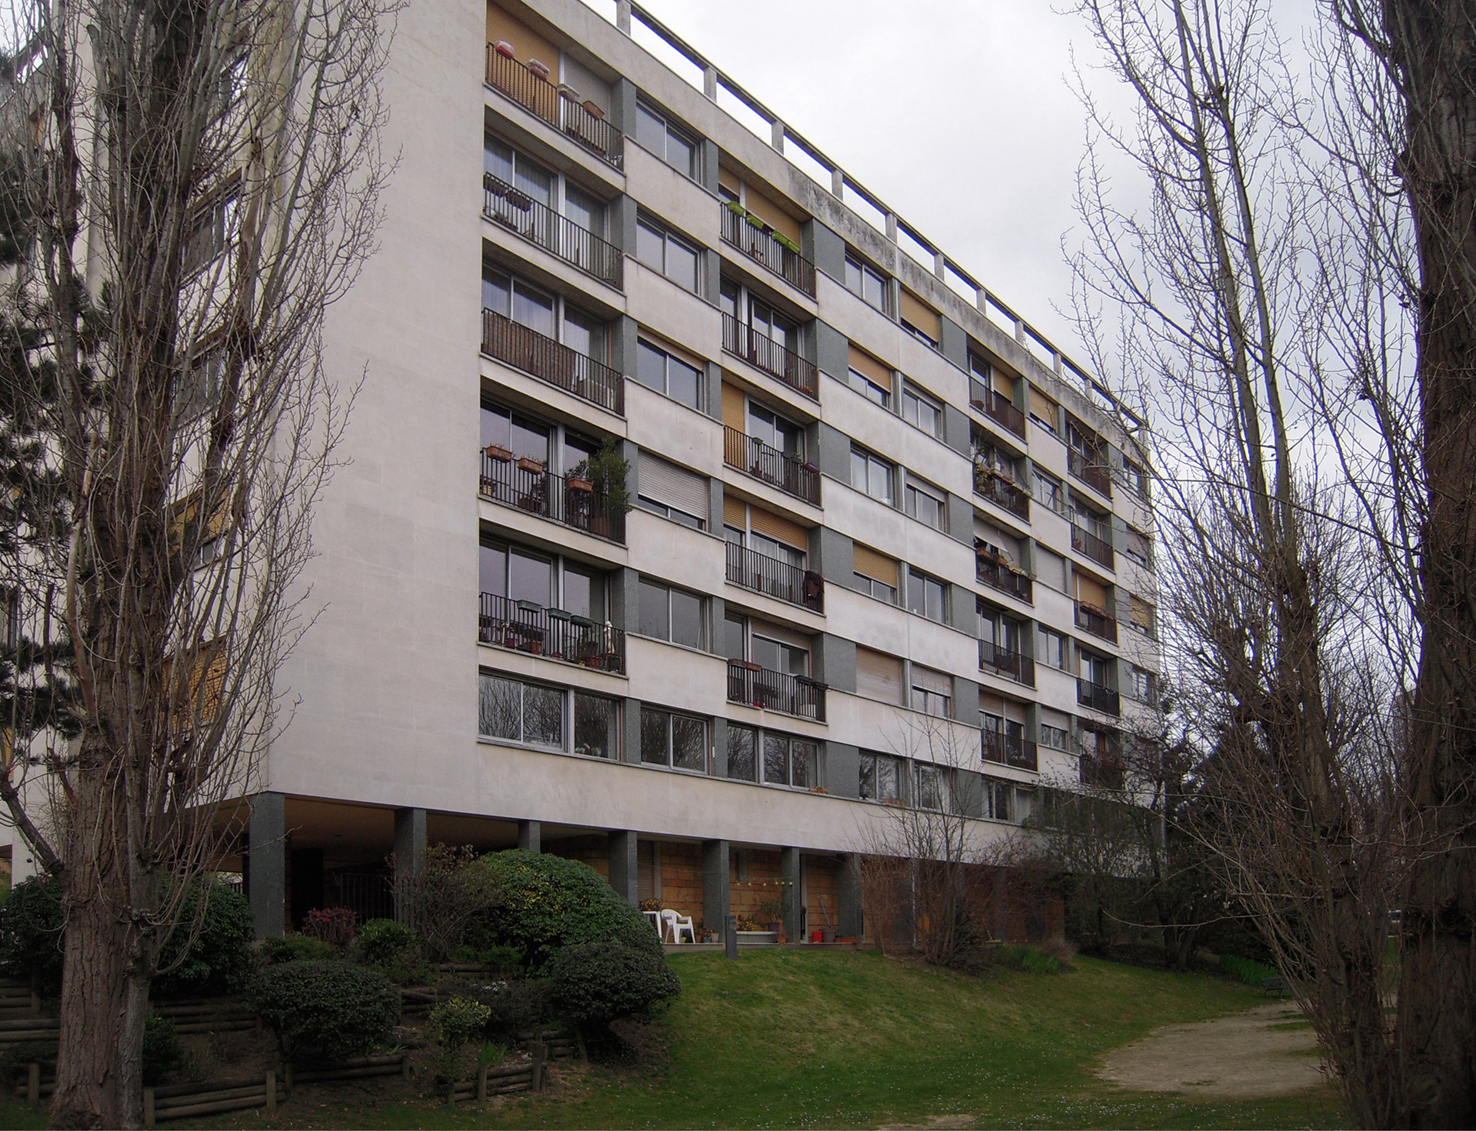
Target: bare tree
204	178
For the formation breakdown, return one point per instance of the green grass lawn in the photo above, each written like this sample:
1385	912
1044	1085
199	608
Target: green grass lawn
796	1038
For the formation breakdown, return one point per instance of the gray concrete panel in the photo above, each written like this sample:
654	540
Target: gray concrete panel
826	249
630	720
832	351
719	749
716	894
832	555
623	105
624	864
835	662
848	919
842	769
966	700
530	836
834	454
961	519
268	875
957	430
955	343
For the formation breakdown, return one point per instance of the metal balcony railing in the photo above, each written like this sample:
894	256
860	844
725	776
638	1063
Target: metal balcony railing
1083	541
763	352
1105	771
1098	697
998	408
582	121
1091	470
788	473
1009	750
540	224
553	633
988	484
763	574
1012	665
764	248
519	483
776	691
1095	622
999	576
540	355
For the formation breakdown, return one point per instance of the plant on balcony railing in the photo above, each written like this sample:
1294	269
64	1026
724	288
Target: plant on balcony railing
763	574
1003	661
1083	541
1000	490
1009	750
1096	621
554	633
774	250
540	224
788	473
583	121
1097	697
994	571
1091	469
998	408
776	691
573	501
552	361
764	353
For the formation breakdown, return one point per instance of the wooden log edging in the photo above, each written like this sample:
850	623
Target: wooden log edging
184	1101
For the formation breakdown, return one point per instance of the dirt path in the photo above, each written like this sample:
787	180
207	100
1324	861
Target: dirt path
1263	1052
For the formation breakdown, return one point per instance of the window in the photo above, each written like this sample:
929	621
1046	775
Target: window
932	692
522	173
742	753
779	656
670	614
997	627
1052	649
925	503
669	374
1048	491
870	284
516	711
926	595
868	388
671	255
512	298
1094	668
772	429
921	320
1141	684
212	231
871	475
200	387
790	761
874	574
1142	617
1043	410
870	377
675	740
767	322
922	410
878	676
596	726
671	491
1135	479
1053	736
989	455
999	800
930	787
673	145
9	618
1138	546
874	588
880	778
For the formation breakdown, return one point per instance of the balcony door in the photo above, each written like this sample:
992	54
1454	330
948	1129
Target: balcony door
772	429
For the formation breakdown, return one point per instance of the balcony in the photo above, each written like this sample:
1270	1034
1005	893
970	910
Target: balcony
526	485
1096	622
552	361
995	573
1097	697
1001	491
552	633
1091	469
998	408
764	248
1104	771
789	473
763	574
582	121
766	354
540	224
1012	665
1009	750
775	691
1083	541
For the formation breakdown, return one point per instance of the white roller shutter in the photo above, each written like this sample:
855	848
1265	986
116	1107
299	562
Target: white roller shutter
665	482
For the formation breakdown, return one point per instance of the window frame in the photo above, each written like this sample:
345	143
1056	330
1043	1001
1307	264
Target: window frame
687	136
1051	636
565	720
644	584
671	717
874	461
927	579
920	397
667	358
914	489
864	268
870	587
858	382
1063	744
877	761
668	236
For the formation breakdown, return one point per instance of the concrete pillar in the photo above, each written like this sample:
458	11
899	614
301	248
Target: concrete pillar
716	884
848	921
791	866
268	860
409	856
624	864
530	836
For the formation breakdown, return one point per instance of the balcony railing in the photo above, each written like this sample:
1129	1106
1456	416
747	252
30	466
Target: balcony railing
770	576
788	473
1095	622
1083	541
1097	697
765	353
998	408
776	691
540	224
1001	493
999	576
1091	470
540	355
1103	770
1012	665
553	633
582	121
1009	750
521	484
759	245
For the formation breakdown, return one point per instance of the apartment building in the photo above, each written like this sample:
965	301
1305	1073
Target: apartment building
700	512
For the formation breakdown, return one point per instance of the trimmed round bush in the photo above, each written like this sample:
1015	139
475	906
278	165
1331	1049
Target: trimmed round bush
293	948
382	942
220	960
31	934
326	1010
549	902
596	983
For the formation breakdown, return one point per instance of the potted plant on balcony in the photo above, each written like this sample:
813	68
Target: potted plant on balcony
771	914
607	472
499	453
578	478
539	68
530	465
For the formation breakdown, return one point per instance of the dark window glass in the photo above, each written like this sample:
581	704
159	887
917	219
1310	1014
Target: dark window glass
686	619
655	736
655	619
776	759
742	753
596	726
688	743
500	708
651	246
543	716
684	381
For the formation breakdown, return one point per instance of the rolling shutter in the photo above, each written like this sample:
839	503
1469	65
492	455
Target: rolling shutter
733	414
1042	406
735	513
917	313
878	676
675	486
1137	544
1140	612
772	215
1091	591
870	368
879	567
780	529
929	680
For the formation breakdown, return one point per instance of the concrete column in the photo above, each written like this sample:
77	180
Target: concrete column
630	723
791	865
848	921
409	856
719	740
624	864
530	836
715	884
268	859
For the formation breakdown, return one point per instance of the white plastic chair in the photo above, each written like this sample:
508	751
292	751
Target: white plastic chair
676	924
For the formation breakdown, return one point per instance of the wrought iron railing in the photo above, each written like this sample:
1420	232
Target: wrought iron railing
1097	623
1083	541
540	355
553	633
1090	470
788	473
1001	493
776	691
521	484
763	247
1098	697
1009	750
1012	665
767	354
998	408
556	106
540	224
763	574
999	576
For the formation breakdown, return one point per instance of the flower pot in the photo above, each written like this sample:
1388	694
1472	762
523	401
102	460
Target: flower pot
532	466
503	48
581	485
593	110
539	68
499	453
